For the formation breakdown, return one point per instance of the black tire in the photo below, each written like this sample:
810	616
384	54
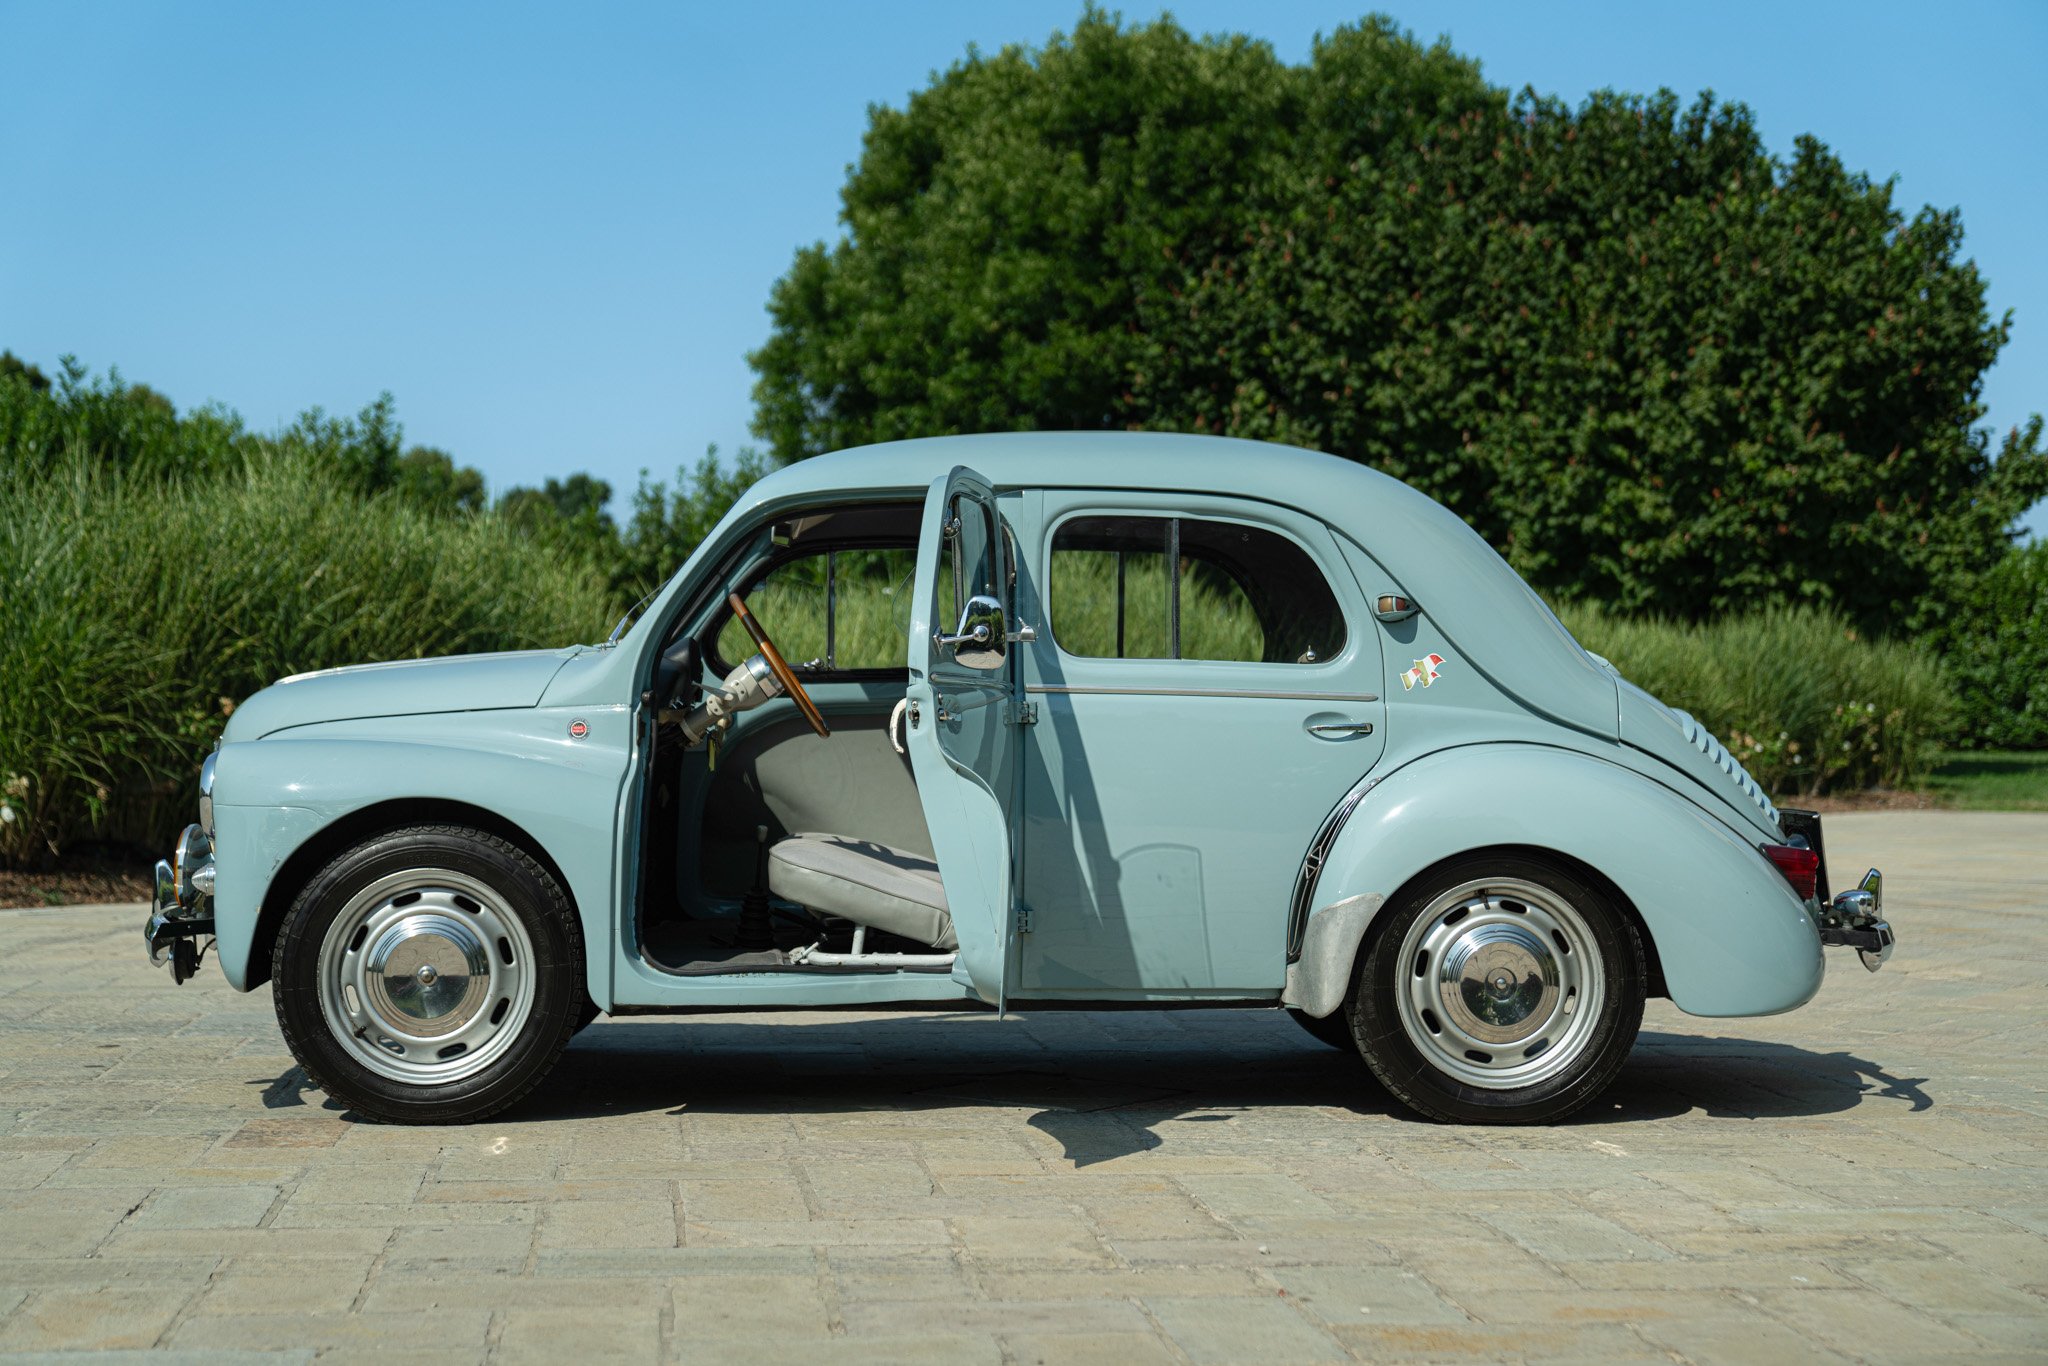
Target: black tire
1403	965
1333	1029
526	901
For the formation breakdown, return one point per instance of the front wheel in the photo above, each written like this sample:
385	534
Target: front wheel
430	975
1499	990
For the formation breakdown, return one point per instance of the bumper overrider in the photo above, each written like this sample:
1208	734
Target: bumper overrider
181	910
1855	919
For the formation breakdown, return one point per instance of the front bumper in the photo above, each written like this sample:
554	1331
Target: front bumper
181	909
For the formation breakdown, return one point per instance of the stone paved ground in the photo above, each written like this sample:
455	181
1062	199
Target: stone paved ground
1861	1179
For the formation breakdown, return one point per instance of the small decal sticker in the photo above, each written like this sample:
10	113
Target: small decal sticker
1424	673
578	729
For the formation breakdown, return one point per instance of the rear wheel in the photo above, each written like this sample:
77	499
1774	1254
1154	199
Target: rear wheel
1499	990
430	975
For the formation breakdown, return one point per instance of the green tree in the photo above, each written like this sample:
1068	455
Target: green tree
430	478
1653	364
13	367
668	523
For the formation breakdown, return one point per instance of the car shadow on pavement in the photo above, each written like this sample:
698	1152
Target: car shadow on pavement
1109	1085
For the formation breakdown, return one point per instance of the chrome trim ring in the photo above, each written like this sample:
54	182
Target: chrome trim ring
426	976
1501	984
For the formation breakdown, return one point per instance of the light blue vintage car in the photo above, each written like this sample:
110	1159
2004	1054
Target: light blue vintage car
1124	720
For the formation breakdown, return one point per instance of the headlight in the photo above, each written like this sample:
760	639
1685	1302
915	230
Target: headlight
206	791
195	851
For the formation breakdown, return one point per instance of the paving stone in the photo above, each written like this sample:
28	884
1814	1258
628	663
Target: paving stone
1088	1349
551	1336
1371	1295
303	1292
1029	1240
1863	1316
90	1320
1238	1330
215	1207
745	1307
609	1224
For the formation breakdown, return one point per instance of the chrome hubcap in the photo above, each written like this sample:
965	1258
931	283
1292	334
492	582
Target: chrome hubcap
1501	983
426	976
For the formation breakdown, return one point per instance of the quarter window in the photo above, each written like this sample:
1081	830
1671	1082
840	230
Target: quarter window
1188	588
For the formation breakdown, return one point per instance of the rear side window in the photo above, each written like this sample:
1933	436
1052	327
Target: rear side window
1188	588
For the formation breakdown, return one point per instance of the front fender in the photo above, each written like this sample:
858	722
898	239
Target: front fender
1732	937
274	796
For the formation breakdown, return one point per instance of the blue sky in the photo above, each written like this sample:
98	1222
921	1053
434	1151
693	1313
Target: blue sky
551	231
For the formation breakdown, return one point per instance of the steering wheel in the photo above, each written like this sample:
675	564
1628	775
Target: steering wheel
779	666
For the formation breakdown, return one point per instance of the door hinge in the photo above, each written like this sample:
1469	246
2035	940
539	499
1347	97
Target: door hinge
1023	919
1024	713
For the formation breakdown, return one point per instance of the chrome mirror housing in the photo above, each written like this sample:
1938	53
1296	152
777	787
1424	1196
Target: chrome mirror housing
983	639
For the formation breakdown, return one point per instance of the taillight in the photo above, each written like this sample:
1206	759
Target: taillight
1800	866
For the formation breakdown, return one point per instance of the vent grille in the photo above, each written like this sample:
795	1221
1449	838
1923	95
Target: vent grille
1717	753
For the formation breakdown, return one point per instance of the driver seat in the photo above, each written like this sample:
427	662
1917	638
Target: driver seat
875	885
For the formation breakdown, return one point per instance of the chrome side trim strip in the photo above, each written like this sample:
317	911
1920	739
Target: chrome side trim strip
1312	865
1209	692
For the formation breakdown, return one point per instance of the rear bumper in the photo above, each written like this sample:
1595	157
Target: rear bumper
1855	920
1848	920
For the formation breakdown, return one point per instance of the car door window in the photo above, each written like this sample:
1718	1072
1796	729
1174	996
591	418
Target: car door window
835	611
1189	588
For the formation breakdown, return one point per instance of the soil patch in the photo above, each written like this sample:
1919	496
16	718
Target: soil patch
88	877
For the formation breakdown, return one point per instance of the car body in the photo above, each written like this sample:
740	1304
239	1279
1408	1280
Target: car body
1186	719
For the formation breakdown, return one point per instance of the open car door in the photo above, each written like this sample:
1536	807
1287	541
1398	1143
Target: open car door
963	718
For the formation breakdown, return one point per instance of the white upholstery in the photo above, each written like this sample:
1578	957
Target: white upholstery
870	884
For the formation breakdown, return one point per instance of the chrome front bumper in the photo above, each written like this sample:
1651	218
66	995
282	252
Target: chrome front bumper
181	910
1855	920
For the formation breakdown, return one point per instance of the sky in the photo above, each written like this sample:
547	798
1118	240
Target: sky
551	231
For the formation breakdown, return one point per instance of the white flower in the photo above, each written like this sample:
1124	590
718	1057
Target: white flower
6	815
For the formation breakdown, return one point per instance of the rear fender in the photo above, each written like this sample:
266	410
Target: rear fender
1732	937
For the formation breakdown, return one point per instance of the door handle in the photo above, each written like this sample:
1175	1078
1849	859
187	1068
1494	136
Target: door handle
1338	729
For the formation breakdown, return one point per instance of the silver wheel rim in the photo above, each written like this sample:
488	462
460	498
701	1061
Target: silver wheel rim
1501	983
426	976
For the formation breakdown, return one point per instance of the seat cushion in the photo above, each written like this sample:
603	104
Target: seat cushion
870	884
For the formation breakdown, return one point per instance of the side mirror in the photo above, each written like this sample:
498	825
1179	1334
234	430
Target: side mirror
983	637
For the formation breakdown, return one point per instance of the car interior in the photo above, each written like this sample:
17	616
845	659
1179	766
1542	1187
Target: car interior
770	843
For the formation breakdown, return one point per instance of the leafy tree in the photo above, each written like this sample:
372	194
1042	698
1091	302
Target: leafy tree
1997	647
13	367
669	523
430	478
1653	364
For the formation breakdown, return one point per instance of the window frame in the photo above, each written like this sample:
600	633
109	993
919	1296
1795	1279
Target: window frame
1332	585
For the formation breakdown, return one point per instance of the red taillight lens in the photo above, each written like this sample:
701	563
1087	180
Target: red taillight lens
1800	866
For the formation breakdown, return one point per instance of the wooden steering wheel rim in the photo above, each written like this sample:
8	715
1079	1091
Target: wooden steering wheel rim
780	666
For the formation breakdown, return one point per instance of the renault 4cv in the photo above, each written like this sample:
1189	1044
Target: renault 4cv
1025	720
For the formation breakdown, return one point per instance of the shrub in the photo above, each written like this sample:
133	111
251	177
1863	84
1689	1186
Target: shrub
1995	646
1795	693
135	612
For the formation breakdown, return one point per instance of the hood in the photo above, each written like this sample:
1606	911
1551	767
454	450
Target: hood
1682	742
407	687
